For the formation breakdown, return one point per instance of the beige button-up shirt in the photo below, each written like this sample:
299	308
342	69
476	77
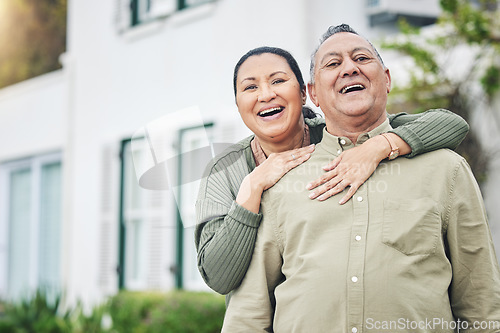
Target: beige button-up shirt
410	252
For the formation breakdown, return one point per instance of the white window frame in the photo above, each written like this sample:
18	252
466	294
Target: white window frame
35	165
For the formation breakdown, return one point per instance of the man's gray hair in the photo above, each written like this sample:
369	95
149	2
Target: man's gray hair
332	30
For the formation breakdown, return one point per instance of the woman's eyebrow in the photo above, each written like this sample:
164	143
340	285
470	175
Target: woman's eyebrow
251	78
277	72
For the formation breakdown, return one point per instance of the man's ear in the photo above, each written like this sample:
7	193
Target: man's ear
388	76
303	94
312	93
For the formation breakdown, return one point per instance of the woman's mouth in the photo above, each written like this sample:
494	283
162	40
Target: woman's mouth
270	112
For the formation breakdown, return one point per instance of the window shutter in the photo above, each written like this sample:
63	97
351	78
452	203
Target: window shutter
123	17
159	222
108	228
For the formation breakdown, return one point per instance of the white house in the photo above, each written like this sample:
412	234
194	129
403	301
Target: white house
140	78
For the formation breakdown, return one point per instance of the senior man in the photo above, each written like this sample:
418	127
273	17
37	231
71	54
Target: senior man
411	252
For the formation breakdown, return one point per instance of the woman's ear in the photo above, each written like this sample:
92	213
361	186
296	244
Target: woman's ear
312	93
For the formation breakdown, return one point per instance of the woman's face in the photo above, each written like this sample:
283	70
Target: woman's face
269	97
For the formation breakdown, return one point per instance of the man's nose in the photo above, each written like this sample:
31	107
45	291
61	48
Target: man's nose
349	67
266	93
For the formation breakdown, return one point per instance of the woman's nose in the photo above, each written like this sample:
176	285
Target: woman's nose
266	93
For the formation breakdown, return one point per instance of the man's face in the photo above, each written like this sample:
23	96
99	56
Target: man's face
350	80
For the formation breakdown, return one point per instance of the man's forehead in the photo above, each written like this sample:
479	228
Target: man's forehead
341	42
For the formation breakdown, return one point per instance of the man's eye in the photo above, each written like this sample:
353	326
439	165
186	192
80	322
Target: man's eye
361	58
333	64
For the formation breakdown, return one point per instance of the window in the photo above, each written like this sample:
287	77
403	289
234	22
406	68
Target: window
415	12
136	12
30	226
195	152
373	3
134	221
157	226
146	244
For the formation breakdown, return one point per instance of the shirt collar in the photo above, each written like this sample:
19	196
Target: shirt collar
337	144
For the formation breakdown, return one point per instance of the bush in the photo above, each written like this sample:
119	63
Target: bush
34	314
126	312
178	311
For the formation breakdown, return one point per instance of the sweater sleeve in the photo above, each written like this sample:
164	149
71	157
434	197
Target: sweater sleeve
226	232
430	130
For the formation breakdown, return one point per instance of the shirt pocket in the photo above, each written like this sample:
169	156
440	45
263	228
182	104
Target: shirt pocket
412	227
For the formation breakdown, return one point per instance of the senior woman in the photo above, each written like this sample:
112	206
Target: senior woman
270	95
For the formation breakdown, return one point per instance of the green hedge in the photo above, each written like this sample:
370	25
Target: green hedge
126	312
39	312
179	311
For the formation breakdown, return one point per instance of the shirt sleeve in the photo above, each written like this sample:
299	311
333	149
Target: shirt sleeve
225	232
475	287
430	130
252	305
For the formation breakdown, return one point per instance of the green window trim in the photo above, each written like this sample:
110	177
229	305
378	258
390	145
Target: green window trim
179	262
136	6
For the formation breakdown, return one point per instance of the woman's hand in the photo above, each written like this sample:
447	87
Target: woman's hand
351	168
267	174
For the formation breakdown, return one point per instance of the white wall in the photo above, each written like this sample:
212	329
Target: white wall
33	116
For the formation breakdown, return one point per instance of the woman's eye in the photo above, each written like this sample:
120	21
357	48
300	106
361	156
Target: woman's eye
250	87
278	81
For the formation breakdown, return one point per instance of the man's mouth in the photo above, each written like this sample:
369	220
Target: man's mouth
270	112
352	88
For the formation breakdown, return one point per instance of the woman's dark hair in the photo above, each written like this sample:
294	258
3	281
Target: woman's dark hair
308	112
294	66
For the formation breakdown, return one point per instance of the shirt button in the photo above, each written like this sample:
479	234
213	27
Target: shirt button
358	238
339	151
354	279
354	330
342	142
359	199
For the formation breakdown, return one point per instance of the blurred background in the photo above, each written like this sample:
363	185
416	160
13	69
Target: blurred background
80	78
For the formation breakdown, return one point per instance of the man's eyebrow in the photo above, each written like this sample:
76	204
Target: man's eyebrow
251	78
332	54
329	54
363	49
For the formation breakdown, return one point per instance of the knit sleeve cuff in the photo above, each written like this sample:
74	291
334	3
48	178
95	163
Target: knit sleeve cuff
244	216
411	138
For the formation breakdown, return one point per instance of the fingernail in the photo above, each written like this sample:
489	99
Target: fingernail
341	202
322	197
312	195
308	186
